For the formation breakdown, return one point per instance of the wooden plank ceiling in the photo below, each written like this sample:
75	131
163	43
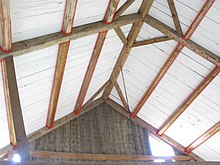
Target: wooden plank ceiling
146	55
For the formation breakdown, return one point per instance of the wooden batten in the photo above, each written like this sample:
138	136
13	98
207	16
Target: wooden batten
205	136
207	80
68	19
108	18
5	26
135	29
175	17
171	58
121	35
151	41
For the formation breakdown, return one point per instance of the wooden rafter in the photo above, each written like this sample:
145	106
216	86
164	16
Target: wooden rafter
175	17
118	89
175	115
121	35
207	135
135	29
13	107
43	131
151	41
201	51
5	26
123	8
61	61
171	58
104	157
150	128
110	12
27	46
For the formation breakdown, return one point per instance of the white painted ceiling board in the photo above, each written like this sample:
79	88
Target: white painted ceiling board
210	149
34	80
79	54
207	34
45	16
133	8
4	133
89	11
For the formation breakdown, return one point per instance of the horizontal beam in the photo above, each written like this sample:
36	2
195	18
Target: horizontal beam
203	52
104	157
208	134
151	41
45	41
43	131
107	163
150	128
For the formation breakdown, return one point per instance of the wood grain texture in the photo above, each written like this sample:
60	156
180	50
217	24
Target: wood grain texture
121	35
69	14
58	77
45	41
43	131
13	107
118	89
151	41
150	128
201	51
135	29
171	58
175	17
176	114
5	25
124	7
104	157
109	16
95	132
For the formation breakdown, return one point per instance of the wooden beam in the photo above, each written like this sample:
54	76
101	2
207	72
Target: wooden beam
121	35
13	107
5	26
150	128
108	18
135	29
45	41
123	8
104	157
118	89
205	136
171	58
175	115
96	94
108	163
203	52
175	17
151	41
68	19
43	131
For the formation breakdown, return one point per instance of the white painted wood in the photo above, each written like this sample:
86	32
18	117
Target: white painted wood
32	18
210	149
79	54
34	78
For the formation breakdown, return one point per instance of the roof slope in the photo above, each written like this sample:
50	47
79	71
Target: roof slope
35	69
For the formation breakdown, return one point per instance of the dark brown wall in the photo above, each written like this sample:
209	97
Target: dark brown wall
101	131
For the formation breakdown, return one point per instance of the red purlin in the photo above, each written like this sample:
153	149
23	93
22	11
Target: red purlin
133	115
